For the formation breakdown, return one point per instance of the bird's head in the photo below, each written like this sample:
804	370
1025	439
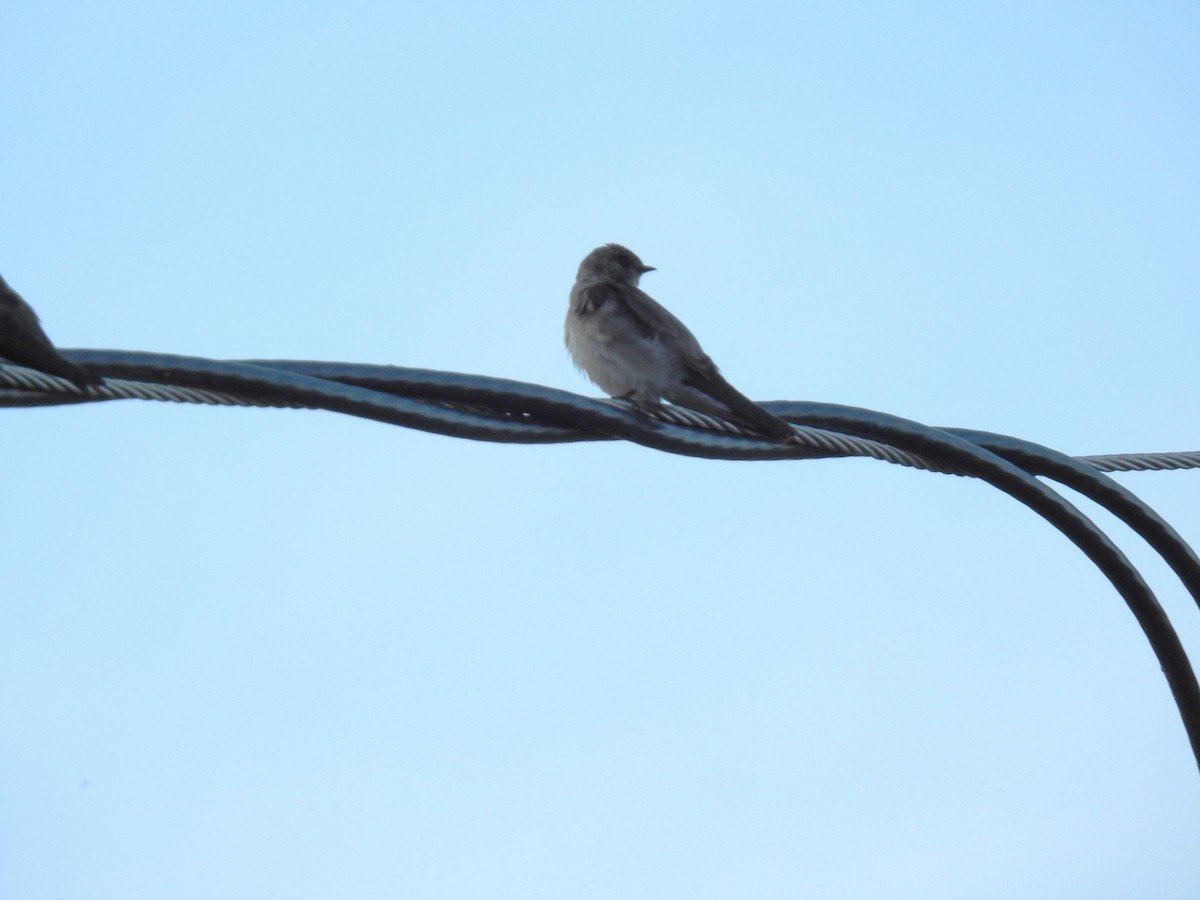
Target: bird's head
612	262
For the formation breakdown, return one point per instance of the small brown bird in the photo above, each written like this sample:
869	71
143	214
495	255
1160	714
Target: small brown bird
23	341
633	348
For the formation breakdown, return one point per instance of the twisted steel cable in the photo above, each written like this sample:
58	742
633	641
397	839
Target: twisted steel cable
507	411
470	393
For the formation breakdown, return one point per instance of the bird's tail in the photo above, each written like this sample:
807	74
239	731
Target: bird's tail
50	361
744	410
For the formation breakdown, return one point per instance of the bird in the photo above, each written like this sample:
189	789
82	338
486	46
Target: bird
24	342
631	347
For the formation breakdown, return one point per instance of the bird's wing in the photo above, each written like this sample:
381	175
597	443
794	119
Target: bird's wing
655	321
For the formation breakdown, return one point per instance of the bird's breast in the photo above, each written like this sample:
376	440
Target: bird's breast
618	357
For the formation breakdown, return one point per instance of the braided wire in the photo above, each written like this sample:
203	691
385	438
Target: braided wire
26	387
1143	462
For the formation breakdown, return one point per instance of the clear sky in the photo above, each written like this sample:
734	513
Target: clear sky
256	653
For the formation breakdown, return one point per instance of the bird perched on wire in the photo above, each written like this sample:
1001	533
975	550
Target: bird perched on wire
23	341
634	349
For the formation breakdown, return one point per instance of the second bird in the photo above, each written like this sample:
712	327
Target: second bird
634	349
23	341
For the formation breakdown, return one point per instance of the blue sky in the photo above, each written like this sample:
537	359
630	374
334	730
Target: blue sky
280	653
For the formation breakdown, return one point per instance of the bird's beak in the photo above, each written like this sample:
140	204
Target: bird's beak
646	269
